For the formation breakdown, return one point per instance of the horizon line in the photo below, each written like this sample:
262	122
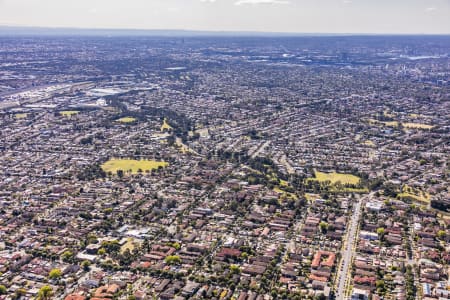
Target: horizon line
12	28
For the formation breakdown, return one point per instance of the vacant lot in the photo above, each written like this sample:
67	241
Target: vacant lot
126	165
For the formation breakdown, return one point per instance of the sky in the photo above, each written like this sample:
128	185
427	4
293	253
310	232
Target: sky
296	16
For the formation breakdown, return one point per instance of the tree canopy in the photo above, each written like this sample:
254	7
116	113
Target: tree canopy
45	293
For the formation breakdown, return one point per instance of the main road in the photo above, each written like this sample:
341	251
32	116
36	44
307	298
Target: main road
348	251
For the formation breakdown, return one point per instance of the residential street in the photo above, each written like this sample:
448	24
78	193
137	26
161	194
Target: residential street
347	253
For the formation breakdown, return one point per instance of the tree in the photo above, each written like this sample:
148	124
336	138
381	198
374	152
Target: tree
19	293
244	255
320	297
235	269
175	245
234	206
3	290
172	260
441	234
323	226
380	286
111	246
45	293
91	172
380	232
146	244
55	274
85	265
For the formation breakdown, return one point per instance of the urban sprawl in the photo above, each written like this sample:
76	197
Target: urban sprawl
224	168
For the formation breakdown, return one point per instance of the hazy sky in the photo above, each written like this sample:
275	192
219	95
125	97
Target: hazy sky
308	16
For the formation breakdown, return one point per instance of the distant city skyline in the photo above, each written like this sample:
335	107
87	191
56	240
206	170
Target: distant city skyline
290	16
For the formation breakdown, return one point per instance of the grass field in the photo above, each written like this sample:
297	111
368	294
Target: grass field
389	124
69	113
126	120
125	165
369	143
396	124
204	132
311	197
278	190
284	194
335	177
130	245
284	182
417	126
183	148
412	197
20	116
165	125
409	193
389	114
351	190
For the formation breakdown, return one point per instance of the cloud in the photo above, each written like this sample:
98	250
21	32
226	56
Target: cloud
243	2
430	9
347	1
208	1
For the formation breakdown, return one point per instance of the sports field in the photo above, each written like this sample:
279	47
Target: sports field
335	177
113	165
